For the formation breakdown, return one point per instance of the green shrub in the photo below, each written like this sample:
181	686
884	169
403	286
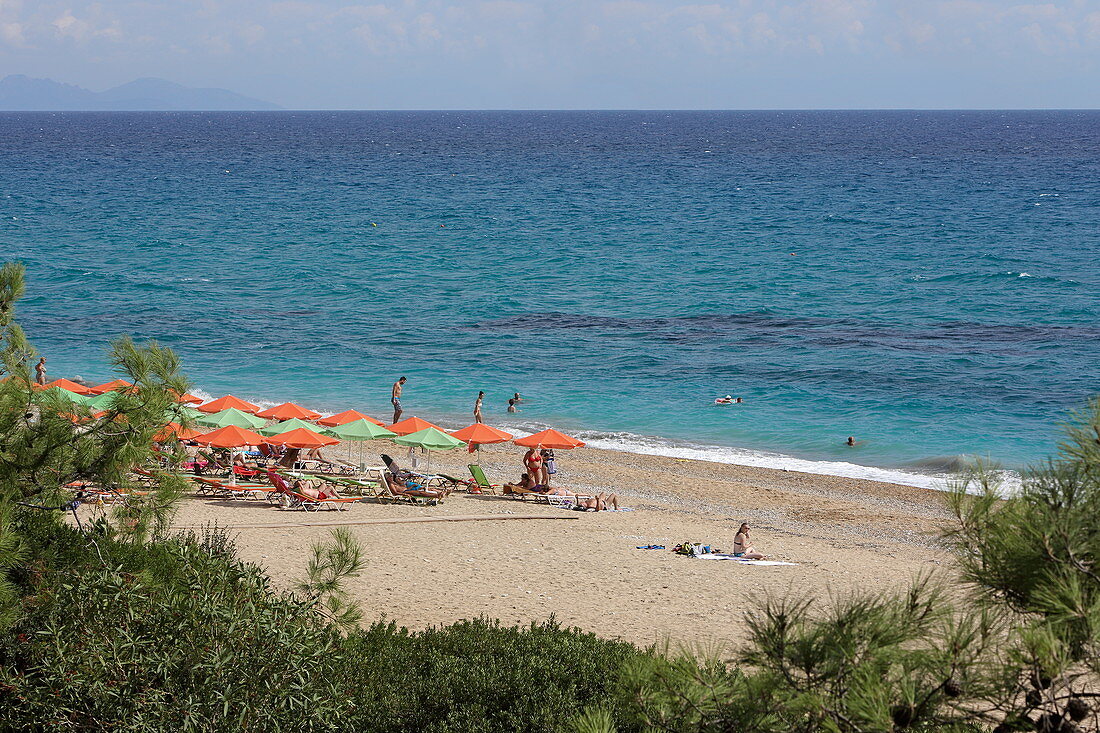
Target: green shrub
480	676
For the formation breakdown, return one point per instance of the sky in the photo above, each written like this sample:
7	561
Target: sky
573	54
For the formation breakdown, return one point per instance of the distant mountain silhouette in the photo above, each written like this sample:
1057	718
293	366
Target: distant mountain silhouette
22	93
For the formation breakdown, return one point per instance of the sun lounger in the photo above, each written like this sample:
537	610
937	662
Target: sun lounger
288	498
483	483
222	488
385	493
360	486
426	478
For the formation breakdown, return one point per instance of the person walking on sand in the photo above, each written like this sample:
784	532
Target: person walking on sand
395	398
40	371
742	547
477	407
513	402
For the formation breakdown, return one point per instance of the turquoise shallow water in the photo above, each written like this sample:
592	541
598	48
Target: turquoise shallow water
927	282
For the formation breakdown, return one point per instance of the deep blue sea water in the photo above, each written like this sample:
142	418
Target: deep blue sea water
928	282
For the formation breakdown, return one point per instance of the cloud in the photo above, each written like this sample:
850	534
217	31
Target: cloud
12	33
69	26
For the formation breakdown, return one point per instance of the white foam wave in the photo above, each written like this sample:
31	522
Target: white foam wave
630	443
744	457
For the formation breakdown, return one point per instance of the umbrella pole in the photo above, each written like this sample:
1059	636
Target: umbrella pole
232	466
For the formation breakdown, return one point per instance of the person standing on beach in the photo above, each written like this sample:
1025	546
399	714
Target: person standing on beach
477	407
532	461
395	398
513	402
40	371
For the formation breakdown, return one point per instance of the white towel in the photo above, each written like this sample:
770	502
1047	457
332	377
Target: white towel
743	560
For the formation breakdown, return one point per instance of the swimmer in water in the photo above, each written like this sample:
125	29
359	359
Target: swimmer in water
851	441
727	400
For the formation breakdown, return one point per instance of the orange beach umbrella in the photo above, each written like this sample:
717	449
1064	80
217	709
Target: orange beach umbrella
301	438
480	434
549	439
177	431
70	385
411	425
187	398
343	418
223	403
233	437
288	411
111	386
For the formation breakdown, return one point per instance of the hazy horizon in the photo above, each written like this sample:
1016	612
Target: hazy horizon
572	55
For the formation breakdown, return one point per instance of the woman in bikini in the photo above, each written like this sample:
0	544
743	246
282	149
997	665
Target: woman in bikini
742	546
532	462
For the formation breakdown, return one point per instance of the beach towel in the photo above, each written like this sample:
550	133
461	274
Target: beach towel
742	560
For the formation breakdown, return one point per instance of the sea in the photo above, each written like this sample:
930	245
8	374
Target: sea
925	282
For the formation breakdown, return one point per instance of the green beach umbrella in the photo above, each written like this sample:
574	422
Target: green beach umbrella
182	411
230	416
359	431
287	425
103	401
67	395
429	439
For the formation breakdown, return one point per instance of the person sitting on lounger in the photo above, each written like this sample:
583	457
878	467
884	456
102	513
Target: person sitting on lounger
742	547
404	483
525	485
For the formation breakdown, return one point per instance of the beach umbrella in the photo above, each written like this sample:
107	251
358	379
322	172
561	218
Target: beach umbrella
480	434
176	431
549	439
411	425
186	398
70	385
301	438
226	402
288	425
346	416
111	386
288	411
359	431
232	437
429	439
187	412
230	416
75	398
102	401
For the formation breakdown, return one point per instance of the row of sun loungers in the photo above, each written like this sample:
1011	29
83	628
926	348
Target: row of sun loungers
232	483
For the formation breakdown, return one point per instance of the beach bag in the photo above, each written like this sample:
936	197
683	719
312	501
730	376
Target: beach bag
548	461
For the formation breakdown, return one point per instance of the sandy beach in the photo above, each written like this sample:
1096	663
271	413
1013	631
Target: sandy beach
521	561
